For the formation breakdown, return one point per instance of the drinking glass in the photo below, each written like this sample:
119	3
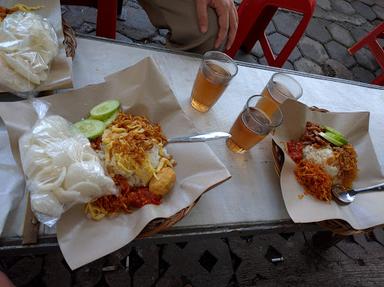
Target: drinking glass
216	71
254	123
281	86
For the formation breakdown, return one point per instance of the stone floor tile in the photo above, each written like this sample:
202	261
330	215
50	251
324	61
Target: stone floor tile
333	68
270	28
308	66
339	52
123	38
257	50
379	11
324	4
202	262
288	65
74	16
343	7
136	25
262	61
86	28
90	15
358	33
278	41
335	16
368	2
379	2
341	35
364	10
363	75
317	30
286	22
25	270
365	58
313	50
55	272
242	56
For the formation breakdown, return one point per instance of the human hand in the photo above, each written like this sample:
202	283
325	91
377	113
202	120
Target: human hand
227	18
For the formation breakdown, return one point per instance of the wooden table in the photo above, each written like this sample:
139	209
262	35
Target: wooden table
251	201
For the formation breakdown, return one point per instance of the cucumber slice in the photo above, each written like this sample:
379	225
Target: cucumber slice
104	110
338	135
331	138
108	121
90	128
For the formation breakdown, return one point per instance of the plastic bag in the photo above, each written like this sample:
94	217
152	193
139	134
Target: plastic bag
28	44
60	166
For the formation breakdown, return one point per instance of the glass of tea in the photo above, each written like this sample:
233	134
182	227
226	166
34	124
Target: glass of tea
215	72
280	87
254	123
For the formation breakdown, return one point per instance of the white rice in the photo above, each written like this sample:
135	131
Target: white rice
320	156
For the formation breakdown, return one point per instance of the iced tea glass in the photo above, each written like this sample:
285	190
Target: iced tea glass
280	87
253	124
216	71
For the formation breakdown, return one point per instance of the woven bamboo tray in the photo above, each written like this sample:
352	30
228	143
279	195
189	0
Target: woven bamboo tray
337	226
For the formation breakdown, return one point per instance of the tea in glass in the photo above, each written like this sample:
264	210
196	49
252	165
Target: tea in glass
279	88
253	124
215	72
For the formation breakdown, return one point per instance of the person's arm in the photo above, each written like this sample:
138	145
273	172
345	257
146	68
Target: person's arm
227	19
4	281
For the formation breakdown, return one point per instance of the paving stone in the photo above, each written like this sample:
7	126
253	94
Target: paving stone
86	28
277	42
55	272
257	50
308	66
74	16
163	32
25	270
147	274
379	2
343	7
288	65
341	35
90	15
241	56
364	10
365	58
358	33
317	30
379	11
118	278
286	23
263	61
136	25
339	52
363	75
333	68
202	262
324	4
270	28
159	39
90	274
335	16
313	50
368	2
123	38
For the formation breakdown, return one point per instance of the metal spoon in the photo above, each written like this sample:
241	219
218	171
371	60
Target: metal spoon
200	137
348	196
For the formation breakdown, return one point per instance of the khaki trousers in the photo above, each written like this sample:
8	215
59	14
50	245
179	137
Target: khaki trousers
180	17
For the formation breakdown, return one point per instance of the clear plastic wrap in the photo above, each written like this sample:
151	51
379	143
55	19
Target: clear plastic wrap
28	44
60	166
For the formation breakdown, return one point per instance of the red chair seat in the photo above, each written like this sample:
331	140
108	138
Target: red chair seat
376	49
106	15
254	17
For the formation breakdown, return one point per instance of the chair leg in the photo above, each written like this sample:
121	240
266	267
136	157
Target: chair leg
292	42
106	18
258	28
379	80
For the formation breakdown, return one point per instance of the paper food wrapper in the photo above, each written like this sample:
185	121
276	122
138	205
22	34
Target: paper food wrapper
60	74
142	90
367	209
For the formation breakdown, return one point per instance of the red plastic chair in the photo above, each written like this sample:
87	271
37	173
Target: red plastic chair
376	49
254	17
106	15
